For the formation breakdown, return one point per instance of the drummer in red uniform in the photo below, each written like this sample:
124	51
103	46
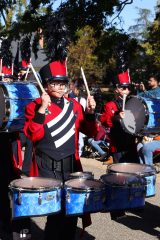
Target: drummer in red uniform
53	123
122	144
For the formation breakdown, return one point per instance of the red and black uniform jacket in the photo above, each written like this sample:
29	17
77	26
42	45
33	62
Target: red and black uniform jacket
56	133
119	139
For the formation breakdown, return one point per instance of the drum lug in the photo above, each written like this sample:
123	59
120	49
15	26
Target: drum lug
130	195
57	196
86	198
68	197
136	195
19	198
40	199
154	181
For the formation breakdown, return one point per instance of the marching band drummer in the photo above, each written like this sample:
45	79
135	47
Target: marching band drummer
53	123
122	144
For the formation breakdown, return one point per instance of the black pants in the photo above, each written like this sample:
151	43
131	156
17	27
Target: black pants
58	226
28	144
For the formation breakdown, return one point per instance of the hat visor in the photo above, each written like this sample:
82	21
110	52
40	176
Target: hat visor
123	85
8	76
57	78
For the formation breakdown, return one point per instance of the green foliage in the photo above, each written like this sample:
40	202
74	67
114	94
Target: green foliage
81	54
93	39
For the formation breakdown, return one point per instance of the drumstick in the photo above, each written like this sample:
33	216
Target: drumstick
85	82
124	100
40	85
38	81
26	74
12	69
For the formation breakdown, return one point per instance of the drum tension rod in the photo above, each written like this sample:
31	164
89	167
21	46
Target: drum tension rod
40	199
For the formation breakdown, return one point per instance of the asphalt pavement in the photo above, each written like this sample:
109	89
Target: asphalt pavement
136	225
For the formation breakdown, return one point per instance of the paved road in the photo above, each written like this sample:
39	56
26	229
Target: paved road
140	225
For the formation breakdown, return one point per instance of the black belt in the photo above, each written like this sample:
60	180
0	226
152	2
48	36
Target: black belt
57	164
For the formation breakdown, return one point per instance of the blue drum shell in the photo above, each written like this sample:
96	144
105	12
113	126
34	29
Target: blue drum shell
14	98
35	196
143	170
123	195
36	203
79	201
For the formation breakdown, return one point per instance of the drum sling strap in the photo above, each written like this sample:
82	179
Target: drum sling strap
118	104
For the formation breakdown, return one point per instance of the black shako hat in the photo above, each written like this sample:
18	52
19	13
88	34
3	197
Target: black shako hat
54	71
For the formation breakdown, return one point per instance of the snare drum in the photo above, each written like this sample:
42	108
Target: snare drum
84	195
142	116
124	191
143	170
13	99
84	175
35	196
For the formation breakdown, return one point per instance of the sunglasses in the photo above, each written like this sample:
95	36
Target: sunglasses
124	88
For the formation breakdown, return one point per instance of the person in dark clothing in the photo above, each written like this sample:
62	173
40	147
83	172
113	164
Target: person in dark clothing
122	144
27	144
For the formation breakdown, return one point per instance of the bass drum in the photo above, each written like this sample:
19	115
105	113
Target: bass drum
13	99
142	116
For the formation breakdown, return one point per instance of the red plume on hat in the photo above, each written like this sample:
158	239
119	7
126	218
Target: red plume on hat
56	41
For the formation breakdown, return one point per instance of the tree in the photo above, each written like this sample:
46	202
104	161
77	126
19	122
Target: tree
78	13
81	54
142	23
110	40
152	43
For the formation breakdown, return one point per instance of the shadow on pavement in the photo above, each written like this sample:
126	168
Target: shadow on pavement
83	235
37	233
146	220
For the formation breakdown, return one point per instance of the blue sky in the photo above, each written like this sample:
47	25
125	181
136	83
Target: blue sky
130	13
